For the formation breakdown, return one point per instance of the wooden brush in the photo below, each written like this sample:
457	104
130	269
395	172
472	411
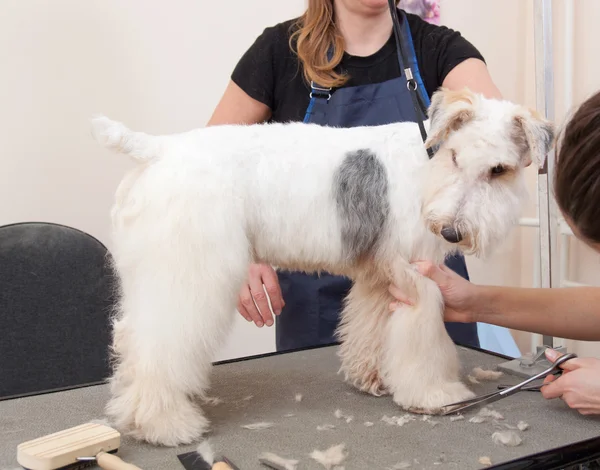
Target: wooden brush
74	448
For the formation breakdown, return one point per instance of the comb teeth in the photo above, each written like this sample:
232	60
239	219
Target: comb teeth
79	465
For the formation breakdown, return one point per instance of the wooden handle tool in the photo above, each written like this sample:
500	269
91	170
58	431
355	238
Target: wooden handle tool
112	462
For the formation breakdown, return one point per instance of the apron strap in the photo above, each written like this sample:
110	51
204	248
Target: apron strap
318	92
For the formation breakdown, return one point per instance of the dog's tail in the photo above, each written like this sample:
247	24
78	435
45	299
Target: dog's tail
114	135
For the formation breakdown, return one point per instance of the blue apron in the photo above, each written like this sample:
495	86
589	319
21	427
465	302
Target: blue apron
313	302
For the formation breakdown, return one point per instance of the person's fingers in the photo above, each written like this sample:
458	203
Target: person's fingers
260	297
243	312
271	282
399	295
552	355
549	378
248	304
434	272
553	389
258	294
424	268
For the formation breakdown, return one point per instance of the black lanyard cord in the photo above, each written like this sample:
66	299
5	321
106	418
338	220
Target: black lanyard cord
411	83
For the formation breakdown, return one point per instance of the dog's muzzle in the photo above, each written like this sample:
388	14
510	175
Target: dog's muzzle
451	235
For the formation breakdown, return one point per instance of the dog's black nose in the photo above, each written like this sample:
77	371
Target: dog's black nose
451	234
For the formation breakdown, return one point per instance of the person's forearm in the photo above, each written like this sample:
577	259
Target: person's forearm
572	313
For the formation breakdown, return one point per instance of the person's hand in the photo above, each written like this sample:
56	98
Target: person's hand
252	295
459	294
579	384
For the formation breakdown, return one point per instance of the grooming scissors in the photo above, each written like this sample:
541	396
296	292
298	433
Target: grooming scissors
509	390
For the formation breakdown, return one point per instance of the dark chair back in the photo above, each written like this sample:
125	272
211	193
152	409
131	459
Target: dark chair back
56	297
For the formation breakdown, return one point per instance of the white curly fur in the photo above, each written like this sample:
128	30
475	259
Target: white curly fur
201	205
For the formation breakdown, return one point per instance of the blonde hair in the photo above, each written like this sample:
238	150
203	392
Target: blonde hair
314	33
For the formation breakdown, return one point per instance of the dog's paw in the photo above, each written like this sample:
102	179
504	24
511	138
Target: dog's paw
167	420
370	383
432	400
184	424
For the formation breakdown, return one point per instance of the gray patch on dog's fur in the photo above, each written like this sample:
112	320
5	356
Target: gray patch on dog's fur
361	194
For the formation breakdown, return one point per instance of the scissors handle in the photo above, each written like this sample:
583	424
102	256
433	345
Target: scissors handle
509	390
551	370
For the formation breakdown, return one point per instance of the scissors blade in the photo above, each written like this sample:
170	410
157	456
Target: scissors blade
486	399
531	388
462	405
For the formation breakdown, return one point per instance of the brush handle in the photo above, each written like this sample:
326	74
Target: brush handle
112	462
221	466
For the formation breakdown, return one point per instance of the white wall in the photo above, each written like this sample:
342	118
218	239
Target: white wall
161	67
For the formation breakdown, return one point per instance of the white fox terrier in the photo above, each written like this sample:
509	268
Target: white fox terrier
361	202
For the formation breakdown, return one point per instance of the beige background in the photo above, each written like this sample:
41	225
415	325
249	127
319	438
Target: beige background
162	66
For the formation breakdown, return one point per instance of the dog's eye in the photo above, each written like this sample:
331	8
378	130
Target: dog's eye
498	170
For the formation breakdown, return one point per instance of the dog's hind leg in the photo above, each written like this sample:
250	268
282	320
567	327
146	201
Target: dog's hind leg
420	364
362	335
178	299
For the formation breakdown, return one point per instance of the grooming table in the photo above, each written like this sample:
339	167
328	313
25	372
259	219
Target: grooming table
274	380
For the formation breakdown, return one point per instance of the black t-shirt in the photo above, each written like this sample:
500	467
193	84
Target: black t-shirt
271	73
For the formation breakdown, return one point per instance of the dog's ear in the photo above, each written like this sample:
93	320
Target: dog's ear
534	137
448	112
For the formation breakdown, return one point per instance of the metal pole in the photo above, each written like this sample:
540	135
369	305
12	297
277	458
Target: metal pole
530	364
549	259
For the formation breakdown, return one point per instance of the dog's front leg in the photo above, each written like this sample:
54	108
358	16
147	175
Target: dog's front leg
362	336
420	361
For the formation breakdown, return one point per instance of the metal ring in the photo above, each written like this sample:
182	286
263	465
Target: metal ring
408	85
312	85
328	95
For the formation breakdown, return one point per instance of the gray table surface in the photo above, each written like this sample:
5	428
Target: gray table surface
273	383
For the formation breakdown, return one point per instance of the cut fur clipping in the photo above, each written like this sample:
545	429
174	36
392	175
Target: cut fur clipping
339	415
330	458
298	397
325	427
428	419
398	420
213	401
484	415
522	425
457	418
472	379
368	424
507	438
485	461
206	452
257	426
401	465
482	374
276	462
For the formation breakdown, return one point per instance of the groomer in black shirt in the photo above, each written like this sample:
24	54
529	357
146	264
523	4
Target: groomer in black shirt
338	65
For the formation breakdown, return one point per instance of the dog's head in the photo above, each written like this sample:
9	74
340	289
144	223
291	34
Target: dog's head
474	188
